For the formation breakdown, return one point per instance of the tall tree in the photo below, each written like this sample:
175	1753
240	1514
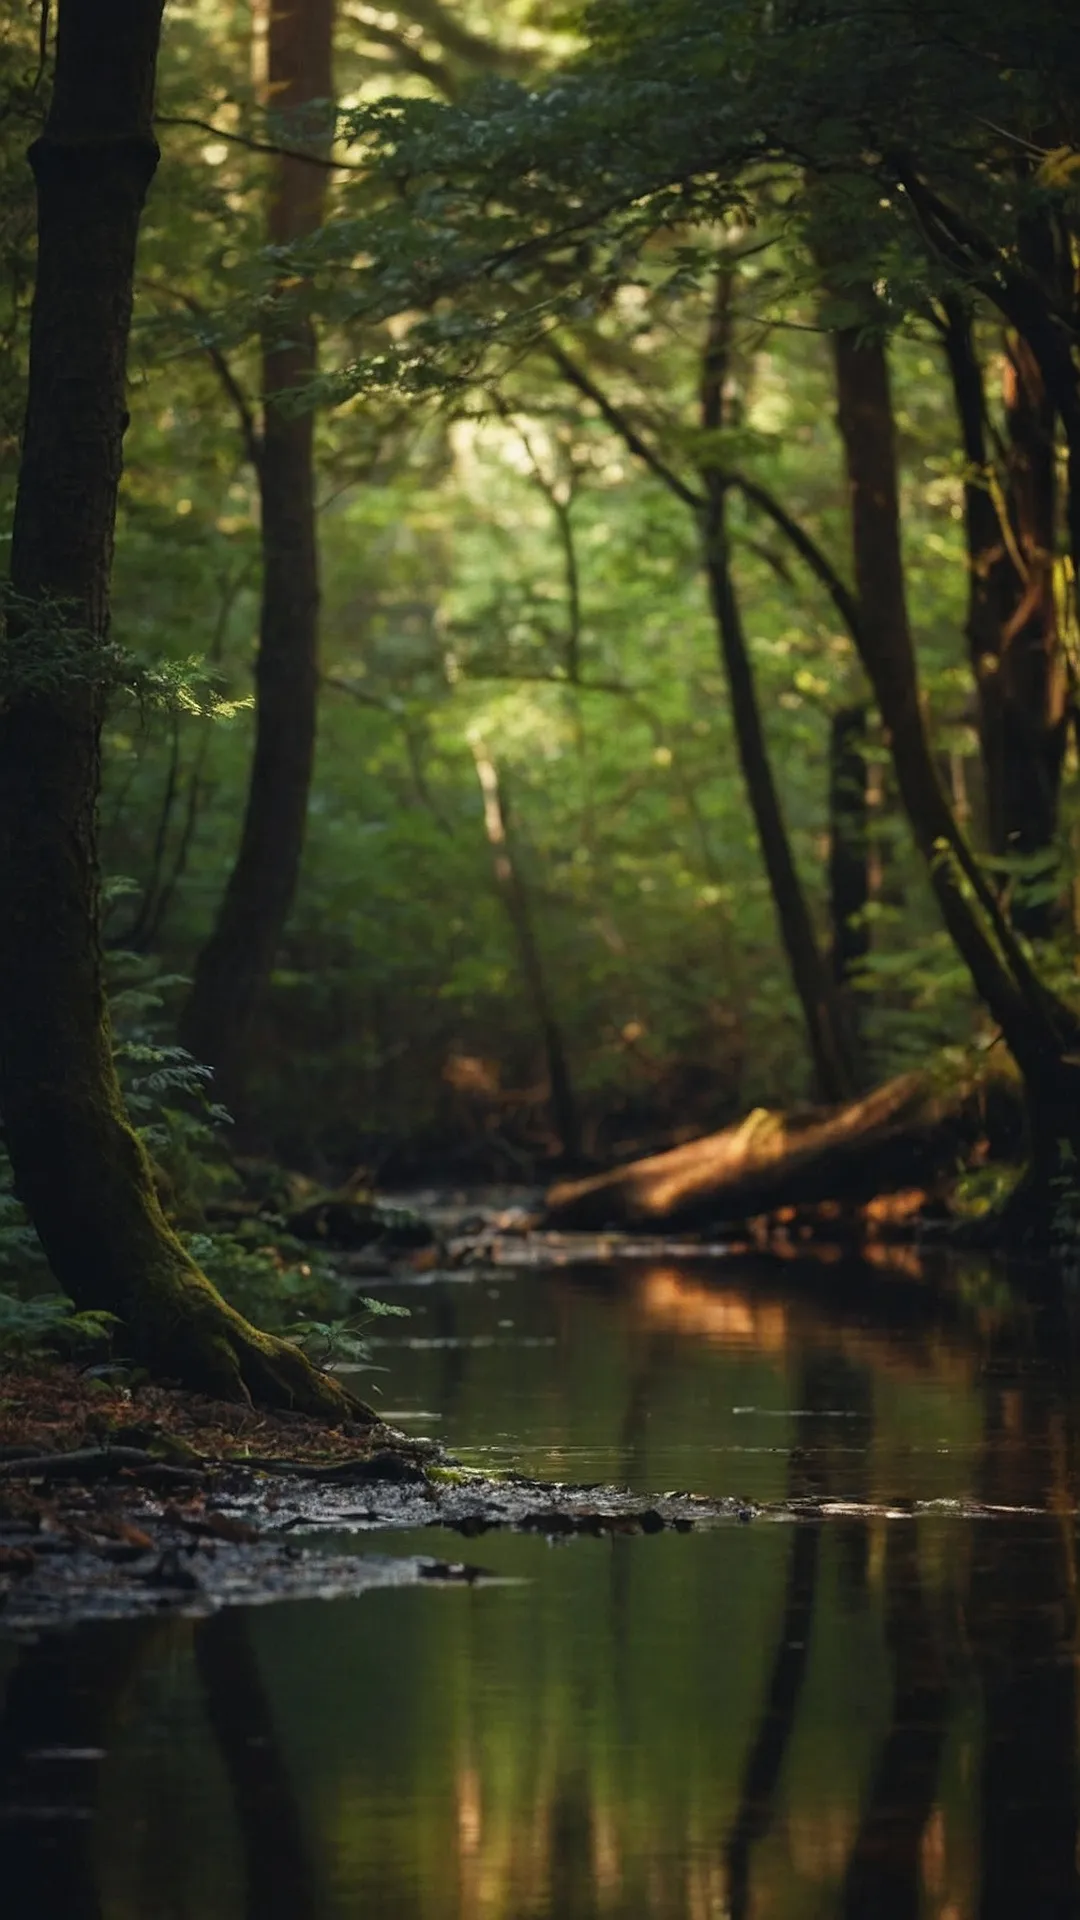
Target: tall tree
1014	638
79	1169
831	1042
1041	1031
236	961
830	1036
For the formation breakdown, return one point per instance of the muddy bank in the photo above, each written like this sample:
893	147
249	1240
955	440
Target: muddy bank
91	1535
115	1532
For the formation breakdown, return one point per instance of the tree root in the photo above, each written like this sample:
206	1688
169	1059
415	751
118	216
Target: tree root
182	1329
99	1463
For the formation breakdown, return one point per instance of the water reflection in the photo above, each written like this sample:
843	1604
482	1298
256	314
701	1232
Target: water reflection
847	1714
278	1870
884	1869
61	1704
1022	1626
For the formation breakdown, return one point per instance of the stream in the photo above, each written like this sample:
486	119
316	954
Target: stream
859	1702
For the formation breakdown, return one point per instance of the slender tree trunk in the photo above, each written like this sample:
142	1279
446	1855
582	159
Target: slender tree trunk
236	962
515	898
830	1047
1013	636
849	842
1040	1030
831	1043
79	1169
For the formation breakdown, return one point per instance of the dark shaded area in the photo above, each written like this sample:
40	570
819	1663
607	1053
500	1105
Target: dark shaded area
278	1867
1022	1623
54	1733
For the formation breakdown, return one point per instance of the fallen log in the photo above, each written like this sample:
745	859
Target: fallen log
916	1131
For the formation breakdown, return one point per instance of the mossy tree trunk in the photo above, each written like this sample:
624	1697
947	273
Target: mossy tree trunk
79	1168
235	964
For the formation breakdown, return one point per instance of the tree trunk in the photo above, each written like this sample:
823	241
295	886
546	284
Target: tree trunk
831	1044
514	896
909	1133
849	842
1040	1030
235	964
79	1169
1013	636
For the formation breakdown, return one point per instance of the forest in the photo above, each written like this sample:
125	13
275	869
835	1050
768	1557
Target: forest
539	657
591	641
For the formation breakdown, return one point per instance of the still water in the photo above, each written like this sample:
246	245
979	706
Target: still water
872	1713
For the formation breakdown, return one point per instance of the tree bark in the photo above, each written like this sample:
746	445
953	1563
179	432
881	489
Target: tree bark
830	1046
1013	638
235	964
907	1134
79	1169
849	842
1032	284
1040	1030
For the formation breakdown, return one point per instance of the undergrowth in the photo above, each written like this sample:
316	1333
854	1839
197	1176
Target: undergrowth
276	1281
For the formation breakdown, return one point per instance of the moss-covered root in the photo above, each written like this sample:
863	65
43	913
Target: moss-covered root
182	1329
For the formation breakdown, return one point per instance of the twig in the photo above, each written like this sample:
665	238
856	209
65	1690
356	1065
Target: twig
258	146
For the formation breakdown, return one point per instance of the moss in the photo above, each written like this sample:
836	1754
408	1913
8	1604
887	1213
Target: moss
460	1476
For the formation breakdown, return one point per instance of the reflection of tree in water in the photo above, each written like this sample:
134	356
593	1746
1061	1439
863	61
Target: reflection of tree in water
1022	1623
61	1702
277	1861
883	1875
824	1383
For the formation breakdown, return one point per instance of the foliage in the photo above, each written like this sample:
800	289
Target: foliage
501	567
47	1322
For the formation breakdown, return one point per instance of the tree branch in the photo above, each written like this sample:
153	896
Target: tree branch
258	146
628	433
244	411
805	546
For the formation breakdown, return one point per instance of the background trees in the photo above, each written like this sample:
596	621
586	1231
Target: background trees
80	1169
506	564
